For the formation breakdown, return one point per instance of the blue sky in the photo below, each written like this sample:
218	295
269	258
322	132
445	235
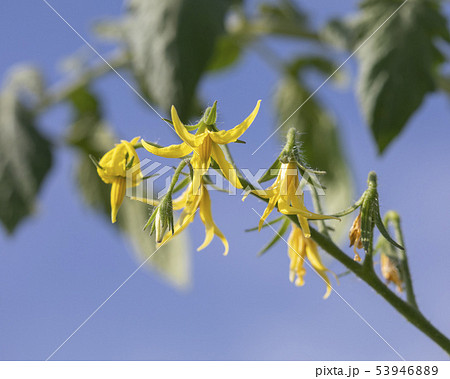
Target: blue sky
65	261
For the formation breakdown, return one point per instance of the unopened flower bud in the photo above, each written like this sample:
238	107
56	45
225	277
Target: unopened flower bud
164	218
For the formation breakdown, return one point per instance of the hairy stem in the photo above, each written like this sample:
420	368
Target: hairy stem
176	175
412	314
318	208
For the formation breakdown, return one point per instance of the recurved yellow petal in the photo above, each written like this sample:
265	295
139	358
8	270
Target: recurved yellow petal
117	195
172	151
286	208
180	129
267	211
181	200
211	228
228	136
226	167
178	228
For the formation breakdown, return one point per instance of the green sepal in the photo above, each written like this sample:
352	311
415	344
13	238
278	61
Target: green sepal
182	184
380	225
130	163
210	116
190	128
150	220
268	175
266	224
351	209
95	162
284	227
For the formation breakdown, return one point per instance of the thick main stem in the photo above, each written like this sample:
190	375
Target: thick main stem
413	315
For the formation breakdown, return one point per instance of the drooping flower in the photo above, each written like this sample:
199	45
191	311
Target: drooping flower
205	144
390	272
120	168
355	237
300	248
287	194
189	202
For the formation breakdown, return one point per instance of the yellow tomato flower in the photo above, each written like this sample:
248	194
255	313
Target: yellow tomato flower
205	144
286	192
113	168
355	237
300	248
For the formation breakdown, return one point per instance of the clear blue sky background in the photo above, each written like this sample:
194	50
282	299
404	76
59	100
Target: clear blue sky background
65	261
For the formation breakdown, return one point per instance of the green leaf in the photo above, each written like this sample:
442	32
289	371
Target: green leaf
321	148
25	81
170	43
284	19
341	33
25	159
398	63
90	135
227	52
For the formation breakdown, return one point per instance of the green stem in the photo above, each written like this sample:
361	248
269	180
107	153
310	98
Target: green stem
412	314
404	266
176	175
318	208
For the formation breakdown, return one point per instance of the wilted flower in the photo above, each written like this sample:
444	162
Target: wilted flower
390	272
355	237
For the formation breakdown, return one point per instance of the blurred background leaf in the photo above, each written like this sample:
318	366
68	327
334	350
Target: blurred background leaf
398	64
90	135
283	18
170	43
25	154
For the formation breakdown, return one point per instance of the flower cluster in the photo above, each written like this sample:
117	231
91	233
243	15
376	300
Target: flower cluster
206	147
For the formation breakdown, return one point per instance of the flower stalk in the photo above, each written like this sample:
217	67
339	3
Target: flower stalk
412	314
394	218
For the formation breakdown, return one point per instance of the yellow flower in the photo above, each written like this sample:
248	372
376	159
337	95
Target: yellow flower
190	201
286	192
205	144
390	272
299	248
355	237
113	168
